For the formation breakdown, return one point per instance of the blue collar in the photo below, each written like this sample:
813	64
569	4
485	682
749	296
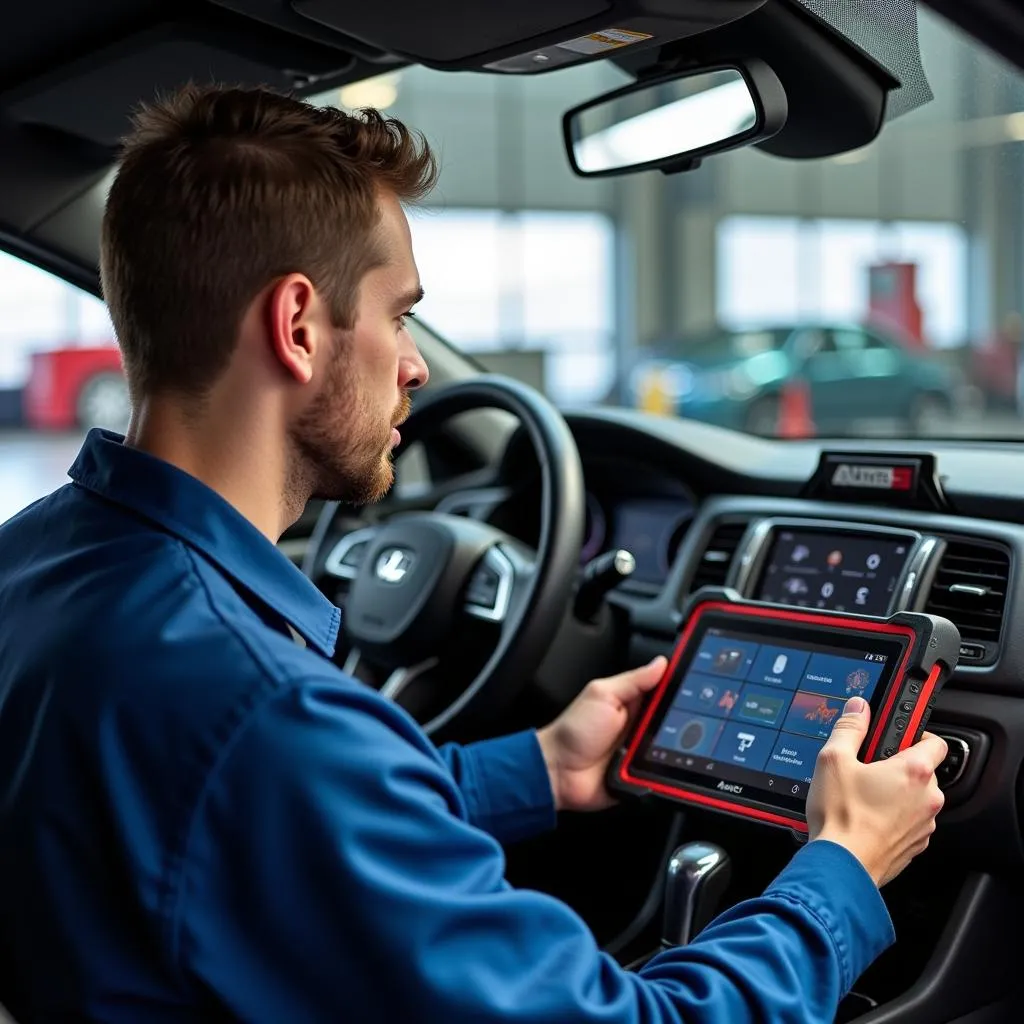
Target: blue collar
181	505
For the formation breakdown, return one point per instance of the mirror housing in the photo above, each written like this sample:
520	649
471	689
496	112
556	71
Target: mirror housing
672	122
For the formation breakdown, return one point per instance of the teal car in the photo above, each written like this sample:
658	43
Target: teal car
839	378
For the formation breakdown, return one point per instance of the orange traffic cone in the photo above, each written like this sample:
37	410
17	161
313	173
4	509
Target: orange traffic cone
795	420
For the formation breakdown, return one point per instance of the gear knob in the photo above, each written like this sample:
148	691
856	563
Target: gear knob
697	877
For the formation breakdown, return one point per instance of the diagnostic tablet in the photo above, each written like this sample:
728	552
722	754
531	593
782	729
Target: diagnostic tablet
752	692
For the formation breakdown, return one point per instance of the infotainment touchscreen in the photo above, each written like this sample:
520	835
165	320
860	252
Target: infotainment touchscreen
752	693
840	572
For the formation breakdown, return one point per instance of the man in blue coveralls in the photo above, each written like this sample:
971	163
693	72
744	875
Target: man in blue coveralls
201	818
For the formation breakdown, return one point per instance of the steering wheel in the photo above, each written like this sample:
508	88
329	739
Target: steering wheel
426	583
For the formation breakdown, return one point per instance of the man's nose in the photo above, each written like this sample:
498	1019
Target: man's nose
412	369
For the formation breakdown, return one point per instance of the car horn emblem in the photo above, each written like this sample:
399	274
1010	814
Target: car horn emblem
393	565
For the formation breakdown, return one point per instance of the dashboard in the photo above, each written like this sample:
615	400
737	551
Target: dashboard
887	527
650	528
701	506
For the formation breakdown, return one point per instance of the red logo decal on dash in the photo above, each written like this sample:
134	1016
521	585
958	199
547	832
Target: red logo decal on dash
883	478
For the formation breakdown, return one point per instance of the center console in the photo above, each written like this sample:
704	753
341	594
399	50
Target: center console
839	558
835	566
867	569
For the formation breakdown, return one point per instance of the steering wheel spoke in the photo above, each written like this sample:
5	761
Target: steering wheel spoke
401	678
346	557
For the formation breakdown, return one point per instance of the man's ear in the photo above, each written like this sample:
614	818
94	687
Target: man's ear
296	325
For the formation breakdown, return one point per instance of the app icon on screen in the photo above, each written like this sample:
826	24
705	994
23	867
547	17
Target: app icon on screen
813	714
691	734
727	660
857	682
722	656
836	676
824	711
727	701
707	695
778	666
794	757
765	708
688	733
744	745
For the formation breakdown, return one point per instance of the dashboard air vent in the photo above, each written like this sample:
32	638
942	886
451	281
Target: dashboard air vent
970	590
713	569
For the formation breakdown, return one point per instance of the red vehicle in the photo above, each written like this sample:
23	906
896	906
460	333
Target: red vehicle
76	387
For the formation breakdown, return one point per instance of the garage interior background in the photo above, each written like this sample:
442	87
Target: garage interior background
566	282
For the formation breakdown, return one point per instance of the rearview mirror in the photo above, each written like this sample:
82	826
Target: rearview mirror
671	123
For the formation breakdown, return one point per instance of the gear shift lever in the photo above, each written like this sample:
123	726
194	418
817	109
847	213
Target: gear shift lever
697	876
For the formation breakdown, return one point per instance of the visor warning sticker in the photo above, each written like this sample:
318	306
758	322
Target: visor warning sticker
606	39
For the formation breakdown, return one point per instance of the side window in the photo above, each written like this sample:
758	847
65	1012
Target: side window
59	364
60	374
867	354
849	340
875	342
809	342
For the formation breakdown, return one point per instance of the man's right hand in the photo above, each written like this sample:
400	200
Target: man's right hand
883	812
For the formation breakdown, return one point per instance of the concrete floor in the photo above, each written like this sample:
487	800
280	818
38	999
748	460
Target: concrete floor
32	465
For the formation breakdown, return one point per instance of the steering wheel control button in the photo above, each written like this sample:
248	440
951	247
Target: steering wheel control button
900	723
914	688
490	587
483	587
888	751
907	707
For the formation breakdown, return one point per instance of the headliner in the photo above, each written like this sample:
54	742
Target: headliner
70	74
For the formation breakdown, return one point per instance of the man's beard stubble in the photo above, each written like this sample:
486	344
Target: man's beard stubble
342	448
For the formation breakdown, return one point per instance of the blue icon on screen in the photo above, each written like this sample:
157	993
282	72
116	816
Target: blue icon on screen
708	695
744	745
764	708
841	677
721	656
691	734
779	666
794	757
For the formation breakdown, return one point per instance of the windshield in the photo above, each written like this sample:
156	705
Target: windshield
877	292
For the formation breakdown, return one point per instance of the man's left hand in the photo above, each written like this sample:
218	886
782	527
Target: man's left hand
578	745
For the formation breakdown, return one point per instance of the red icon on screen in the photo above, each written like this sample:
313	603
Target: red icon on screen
822	713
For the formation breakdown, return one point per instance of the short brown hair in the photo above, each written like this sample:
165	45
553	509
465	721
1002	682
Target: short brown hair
220	190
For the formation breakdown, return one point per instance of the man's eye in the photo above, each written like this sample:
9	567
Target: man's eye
403	320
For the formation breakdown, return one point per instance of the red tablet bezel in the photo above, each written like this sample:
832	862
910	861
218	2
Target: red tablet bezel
785	615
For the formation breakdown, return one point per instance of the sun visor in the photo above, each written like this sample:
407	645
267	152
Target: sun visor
109	83
528	37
